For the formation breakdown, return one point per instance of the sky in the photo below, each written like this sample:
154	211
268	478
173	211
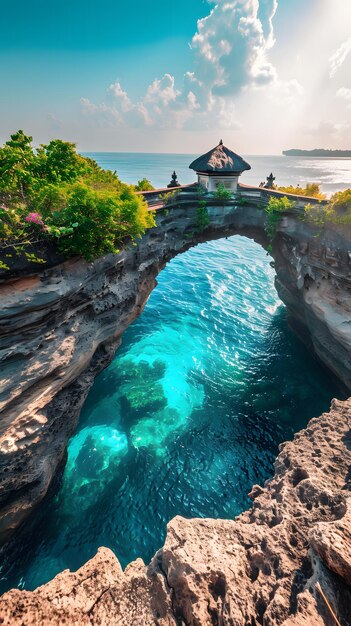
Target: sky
161	76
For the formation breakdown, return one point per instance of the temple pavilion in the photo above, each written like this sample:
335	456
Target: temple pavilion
219	166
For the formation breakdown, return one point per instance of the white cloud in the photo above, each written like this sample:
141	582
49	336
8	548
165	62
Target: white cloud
344	93
162	91
230	56
329	131
339	57
116	91
231	43
266	12
101	113
286	92
87	106
324	129
162	105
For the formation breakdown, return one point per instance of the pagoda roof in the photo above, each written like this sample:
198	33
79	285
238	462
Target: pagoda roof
220	159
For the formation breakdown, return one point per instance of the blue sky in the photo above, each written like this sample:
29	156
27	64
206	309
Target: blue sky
56	49
90	25
172	76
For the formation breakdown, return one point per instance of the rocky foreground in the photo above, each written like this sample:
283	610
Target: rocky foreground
286	561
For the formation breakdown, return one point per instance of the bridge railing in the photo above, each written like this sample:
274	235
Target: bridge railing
156	197
159	198
264	194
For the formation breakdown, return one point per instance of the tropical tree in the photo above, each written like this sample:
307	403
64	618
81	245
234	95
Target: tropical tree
312	190
144	185
16	168
55	193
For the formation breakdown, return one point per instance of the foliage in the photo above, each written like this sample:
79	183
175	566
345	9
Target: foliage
222	193
312	190
315	213
275	209
53	193
339	207
18	227
144	185
240	201
16	165
336	211
168	197
202	217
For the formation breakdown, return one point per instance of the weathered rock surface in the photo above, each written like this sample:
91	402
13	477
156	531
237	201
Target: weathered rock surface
61	327
314	281
262	568
332	542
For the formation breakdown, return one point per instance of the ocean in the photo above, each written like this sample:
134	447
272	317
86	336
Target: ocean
189	415
332	174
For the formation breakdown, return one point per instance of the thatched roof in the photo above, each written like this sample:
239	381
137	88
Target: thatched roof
221	160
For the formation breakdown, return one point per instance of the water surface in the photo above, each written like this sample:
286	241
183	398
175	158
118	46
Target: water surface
332	174
208	381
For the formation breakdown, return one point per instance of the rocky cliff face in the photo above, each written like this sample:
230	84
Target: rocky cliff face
59	328
286	561
314	281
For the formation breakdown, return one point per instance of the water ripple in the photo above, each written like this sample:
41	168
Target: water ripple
207	383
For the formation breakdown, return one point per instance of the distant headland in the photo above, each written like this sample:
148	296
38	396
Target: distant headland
318	152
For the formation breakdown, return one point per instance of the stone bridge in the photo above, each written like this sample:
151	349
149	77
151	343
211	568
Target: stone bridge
60	327
256	195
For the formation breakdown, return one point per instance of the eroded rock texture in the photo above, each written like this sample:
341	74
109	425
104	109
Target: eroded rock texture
265	567
314	281
61	327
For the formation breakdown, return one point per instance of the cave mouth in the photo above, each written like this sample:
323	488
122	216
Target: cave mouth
188	416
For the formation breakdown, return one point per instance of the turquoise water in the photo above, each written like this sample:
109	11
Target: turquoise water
208	381
188	416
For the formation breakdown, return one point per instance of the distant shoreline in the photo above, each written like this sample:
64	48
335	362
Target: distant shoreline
319	152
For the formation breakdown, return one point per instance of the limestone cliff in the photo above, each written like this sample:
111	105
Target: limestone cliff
60	327
314	281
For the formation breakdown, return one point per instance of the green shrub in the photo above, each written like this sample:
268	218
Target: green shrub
144	185
222	193
170	196
339	207
240	201
312	190
336	211
275	209
102	220
54	193
315	213
202	217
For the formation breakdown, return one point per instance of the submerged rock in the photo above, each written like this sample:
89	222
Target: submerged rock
61	327
95	460
275	564
146	393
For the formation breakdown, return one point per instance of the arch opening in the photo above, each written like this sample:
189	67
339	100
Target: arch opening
208	381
